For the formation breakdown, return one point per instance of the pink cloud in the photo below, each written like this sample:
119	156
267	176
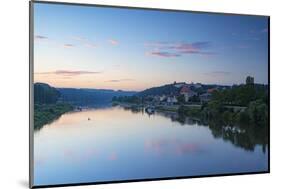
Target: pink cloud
120	80
84	41
112	156
113	42
68	45
69	72
164	54
167	50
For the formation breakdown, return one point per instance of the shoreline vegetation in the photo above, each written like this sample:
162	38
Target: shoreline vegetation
238	114
47	105
46	113
245	104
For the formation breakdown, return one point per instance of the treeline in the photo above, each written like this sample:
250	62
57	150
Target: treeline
242	95
127	99
244	104
46	105
45	94
90	97
161	90
46	113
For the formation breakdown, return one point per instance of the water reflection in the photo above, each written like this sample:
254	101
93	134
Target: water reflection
243	136
123	143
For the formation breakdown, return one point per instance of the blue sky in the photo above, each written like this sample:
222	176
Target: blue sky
133	49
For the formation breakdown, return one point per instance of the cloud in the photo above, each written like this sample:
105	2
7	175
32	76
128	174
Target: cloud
69	72
167	50
243	46
164	54
119	80
68	45
259	31
218	73
112	156
40	37
84	41
113	42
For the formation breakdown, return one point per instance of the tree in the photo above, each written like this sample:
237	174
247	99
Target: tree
181	99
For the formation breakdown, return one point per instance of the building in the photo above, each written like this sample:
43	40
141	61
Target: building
211	90
179	85
249	80
205	97
187	93
162	97
171	100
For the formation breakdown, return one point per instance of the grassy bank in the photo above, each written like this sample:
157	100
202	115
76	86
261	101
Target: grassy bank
46	113
255	114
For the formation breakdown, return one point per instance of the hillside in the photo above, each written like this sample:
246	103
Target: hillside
161	90
45	94
90	97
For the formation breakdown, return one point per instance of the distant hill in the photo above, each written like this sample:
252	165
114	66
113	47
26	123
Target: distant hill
90	97
45	94
174	88
161	90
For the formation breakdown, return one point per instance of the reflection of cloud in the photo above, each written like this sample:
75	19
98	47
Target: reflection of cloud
160	146
79	156
119	80
113	42
243	47
186	148
265	30
112	156
166	49
218	73
69	72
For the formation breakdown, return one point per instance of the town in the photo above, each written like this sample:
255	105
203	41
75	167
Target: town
237	103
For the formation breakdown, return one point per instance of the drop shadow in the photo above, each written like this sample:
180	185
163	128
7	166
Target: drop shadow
24	183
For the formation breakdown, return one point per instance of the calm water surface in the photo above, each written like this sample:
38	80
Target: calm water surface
119	144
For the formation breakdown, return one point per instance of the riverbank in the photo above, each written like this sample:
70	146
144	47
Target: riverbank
46	113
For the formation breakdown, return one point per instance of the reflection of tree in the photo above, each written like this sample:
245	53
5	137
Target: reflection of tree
134	109
245	136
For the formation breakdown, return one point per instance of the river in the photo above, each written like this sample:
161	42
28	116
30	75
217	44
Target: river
110	144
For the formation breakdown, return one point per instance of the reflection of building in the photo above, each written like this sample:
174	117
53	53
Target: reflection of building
205	97
187	93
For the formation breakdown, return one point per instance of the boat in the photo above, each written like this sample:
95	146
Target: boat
150	109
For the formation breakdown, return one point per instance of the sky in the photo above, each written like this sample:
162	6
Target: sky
135	49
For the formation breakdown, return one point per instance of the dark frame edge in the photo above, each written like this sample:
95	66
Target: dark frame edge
31	113
268	69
